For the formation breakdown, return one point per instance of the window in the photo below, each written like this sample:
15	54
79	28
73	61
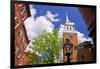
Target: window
67	27
70	28
73	28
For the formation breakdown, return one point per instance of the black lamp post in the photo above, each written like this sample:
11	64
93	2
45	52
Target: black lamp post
68	45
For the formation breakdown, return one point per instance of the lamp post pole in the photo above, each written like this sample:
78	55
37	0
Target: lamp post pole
68	47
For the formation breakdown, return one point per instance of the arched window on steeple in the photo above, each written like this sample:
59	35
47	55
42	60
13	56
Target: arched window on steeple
70	28
67	27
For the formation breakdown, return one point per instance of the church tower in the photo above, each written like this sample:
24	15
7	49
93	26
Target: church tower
69	33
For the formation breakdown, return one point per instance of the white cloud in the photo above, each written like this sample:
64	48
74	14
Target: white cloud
61	29
30	27
43	24
51	16
37	26
82	38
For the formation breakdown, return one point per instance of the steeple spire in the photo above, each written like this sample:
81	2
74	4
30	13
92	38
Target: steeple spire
69	26
67	19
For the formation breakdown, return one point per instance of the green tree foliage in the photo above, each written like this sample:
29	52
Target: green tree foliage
32	58
48	47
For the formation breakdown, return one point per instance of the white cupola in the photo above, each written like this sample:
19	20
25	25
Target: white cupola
69	26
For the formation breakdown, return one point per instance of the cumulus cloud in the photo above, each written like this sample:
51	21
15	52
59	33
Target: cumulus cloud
43	24
37	26
51	16
81	37
30	27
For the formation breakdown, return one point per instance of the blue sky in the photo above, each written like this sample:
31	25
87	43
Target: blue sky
73	14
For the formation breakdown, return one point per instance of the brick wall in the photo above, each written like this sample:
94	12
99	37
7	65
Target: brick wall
74	40
21	40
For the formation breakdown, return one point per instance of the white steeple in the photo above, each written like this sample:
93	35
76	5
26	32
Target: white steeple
67	19
68	26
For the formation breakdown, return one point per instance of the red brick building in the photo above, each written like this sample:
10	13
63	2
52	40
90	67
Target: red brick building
21	40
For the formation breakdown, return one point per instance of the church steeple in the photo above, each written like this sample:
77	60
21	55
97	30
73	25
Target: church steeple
69	33
69	26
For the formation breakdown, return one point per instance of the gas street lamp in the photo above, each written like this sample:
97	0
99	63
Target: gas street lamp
67	50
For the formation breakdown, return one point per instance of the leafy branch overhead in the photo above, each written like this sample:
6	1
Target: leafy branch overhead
48	47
